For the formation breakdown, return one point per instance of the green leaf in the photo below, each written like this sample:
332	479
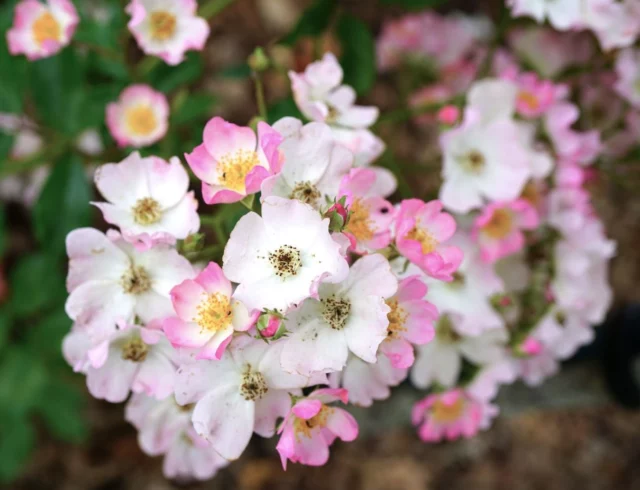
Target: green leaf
415	4
36	284
12	68
22	378
195	107
61	407
101	23
17	440
57	90
358	53
44	339
283	108
63	205
314	21
3	230
236	71
5	327
168	78
6	143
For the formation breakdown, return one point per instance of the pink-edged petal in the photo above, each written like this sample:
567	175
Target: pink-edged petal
213	280
185	334
399	352
307	408
203	164
342	424
214	348
222	138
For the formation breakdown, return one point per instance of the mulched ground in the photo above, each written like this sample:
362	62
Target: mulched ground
587	449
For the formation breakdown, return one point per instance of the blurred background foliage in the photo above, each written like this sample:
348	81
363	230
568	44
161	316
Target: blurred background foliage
63	96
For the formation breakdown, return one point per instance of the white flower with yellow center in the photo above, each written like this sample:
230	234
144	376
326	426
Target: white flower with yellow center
280	258
139	118
110	282
41	30
347	317
313	164
148	199
167	28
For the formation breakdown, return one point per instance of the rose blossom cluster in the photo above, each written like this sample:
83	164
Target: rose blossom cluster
327	293
615	23
533	282
304	314
163	28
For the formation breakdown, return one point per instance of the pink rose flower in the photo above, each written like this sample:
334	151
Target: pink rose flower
451	415
139	118
41	30
311	427
498	229
232	162
207	315
421	230
167	29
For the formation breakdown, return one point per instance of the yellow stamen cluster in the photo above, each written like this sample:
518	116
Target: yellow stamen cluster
397	318
304	427
141	120
305	192
335	311
233	169
447	412
253	386
162	25
529	99
500	224
146	211
214	312
426	239
286	261
46	28
360	223
531	194
135	350
473	161
136	280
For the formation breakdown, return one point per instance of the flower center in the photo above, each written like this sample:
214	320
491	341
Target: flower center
305	192
473	161
332	115
253	385
397	317
214	312
163	25
360	223
335	311
531	194
500	224
427	240
286	261
136	280
141	120
146	211
233	169
304	427
446	413
46	28
529	99
445	331
135	350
